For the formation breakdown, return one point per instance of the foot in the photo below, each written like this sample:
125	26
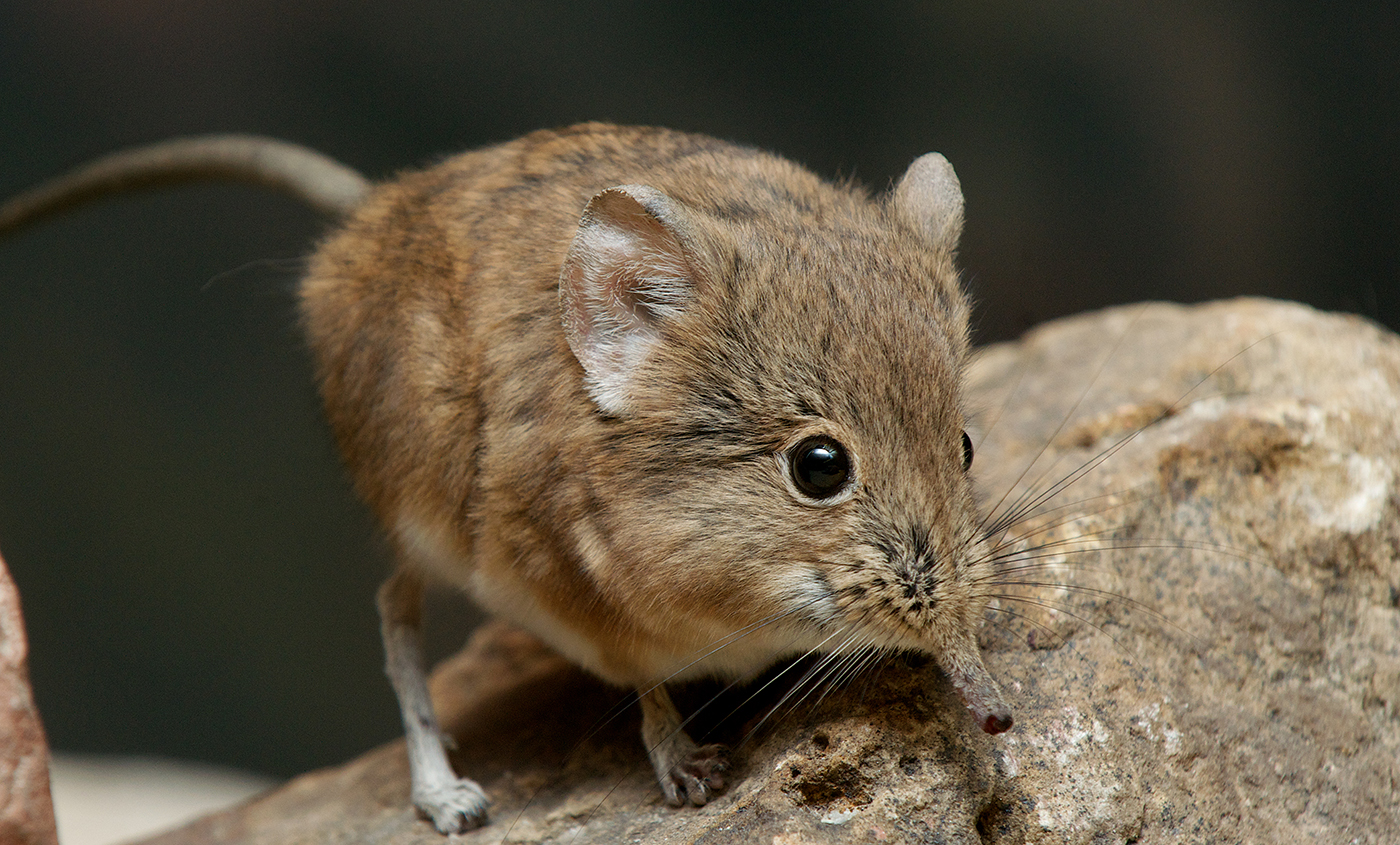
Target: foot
690	773
454	807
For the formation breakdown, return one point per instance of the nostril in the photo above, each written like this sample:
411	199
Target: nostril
995	723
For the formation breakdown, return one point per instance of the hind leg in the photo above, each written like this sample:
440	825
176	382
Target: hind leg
453	804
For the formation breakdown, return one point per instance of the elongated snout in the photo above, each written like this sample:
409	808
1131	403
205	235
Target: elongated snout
979	690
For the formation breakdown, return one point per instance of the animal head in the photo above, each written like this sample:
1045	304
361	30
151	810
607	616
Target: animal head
784	421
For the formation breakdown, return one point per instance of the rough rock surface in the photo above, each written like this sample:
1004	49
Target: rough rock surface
1200	636
26	808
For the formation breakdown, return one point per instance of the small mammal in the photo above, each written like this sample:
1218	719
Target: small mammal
679	407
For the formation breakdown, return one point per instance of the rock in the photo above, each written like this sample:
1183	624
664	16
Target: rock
1245	686
26	808
1199	633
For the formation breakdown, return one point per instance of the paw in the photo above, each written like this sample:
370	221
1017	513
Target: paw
454	807
696	776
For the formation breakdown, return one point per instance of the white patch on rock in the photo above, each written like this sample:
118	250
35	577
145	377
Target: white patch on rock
1171	741
1355	499
839	816
1088	788
1147	723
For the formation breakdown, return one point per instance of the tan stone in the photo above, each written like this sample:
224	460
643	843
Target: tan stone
1207	648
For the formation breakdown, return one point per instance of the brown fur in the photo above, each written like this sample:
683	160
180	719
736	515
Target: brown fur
434	316
571	374
633	541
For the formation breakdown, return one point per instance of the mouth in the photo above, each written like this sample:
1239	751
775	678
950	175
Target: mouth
981	694
960	658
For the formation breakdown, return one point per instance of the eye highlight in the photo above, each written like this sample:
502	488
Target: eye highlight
820	467
967	452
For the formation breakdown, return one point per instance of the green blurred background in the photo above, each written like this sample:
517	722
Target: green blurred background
196	575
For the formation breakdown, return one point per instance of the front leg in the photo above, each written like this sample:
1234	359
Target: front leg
686	771
454	804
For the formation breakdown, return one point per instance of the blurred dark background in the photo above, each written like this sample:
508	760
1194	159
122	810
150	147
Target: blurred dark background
197	577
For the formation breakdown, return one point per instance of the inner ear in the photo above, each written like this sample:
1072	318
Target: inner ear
627	272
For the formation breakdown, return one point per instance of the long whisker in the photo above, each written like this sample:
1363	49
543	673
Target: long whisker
1088	386
705	652
1058	609
1061	640
1089	545
1107	595
807	676
680	728
1071	512
1029	504
625	703
860	660
848	655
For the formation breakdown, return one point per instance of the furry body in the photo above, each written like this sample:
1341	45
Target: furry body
679	407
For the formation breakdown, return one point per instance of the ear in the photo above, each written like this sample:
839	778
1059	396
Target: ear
627	272
930	199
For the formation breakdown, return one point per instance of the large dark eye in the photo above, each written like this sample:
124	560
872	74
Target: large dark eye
967	452
820	467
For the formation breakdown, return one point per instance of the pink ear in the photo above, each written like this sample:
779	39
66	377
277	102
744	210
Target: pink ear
626	273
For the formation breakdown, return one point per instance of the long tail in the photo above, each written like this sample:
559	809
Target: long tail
326	185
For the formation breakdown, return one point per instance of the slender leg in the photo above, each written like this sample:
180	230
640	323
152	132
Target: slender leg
686	771
454	804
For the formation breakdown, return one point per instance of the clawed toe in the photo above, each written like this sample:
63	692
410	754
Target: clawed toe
698	776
